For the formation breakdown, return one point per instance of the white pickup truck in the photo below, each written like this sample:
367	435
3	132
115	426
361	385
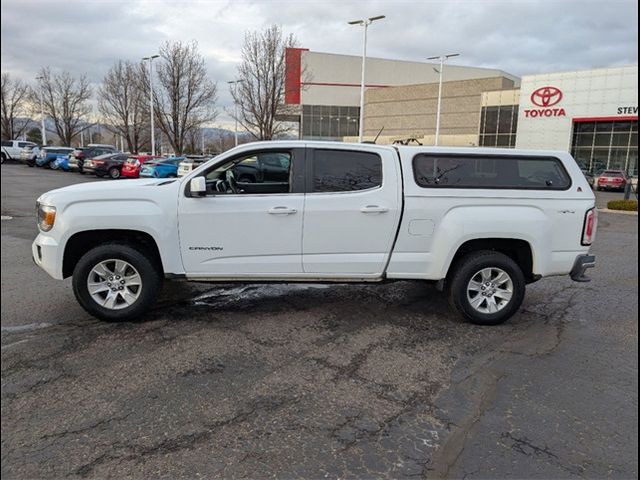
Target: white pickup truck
479	223
12	149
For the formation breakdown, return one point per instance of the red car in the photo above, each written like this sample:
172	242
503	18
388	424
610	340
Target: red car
131	168
612	180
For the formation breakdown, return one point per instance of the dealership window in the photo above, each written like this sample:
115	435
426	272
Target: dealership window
606	145
329	122
498	126
483	171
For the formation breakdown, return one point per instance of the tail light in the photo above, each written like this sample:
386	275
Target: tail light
590	227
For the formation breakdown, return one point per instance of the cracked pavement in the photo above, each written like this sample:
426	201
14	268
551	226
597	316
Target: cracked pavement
315	381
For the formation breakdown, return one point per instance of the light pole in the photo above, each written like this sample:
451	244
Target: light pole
235	105
153	136
43	134
365	22
442	58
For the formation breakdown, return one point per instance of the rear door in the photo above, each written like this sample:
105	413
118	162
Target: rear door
352	210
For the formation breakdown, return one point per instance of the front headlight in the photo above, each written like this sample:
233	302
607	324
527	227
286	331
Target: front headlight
46	216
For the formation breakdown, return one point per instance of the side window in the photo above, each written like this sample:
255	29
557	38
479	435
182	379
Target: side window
23	144
256	173
7	144
345	171
477	171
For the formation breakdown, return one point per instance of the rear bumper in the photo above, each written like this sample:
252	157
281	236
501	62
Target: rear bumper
582	263
611	186
130	173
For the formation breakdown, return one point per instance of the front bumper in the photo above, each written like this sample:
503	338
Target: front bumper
582	263
45	252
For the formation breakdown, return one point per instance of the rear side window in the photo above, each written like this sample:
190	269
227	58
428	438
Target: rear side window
7	144
345	171
485	171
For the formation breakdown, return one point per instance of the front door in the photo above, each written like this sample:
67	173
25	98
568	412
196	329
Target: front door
246	226
352	211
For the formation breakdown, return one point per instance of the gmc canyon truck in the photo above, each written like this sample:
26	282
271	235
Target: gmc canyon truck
479	223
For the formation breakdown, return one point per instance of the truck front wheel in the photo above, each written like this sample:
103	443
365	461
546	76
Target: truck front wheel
116	282
487	287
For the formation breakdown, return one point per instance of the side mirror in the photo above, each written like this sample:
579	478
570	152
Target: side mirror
198	186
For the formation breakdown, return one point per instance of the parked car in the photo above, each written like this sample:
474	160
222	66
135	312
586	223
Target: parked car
165	168
11	149
133	164
590	177
106	164
61	163
29	154
49	154
612	180
191	163
480	224
80	155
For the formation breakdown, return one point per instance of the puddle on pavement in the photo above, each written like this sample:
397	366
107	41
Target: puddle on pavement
234	294
24	328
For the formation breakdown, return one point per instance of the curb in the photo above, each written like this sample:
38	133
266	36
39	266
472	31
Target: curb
619	212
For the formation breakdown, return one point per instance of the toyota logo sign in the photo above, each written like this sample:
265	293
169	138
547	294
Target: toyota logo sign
546	96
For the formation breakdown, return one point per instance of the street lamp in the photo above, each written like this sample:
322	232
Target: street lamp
442	59
235	105
43	134
153	137
365	22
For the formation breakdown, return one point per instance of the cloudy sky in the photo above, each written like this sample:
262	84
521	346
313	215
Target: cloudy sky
518	36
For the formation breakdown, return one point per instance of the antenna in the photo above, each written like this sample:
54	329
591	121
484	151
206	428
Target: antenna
376	139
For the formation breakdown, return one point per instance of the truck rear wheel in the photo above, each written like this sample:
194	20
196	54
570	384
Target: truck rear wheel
116	282
487	287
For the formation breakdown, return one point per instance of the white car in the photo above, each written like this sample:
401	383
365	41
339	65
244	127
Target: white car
191	163
479	223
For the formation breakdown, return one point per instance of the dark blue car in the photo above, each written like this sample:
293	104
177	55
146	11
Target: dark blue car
50	154
165	168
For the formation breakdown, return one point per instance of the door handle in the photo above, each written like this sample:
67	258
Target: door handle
281	211
374	209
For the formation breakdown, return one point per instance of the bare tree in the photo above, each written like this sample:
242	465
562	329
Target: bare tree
13	114
65	101
261	91
184	98
121	101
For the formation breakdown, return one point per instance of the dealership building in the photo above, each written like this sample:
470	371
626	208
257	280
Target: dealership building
593	113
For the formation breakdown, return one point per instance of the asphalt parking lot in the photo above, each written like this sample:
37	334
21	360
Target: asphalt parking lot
316	381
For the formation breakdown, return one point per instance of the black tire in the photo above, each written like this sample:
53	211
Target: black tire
114	173
149	271
31	164
3	158
466	268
